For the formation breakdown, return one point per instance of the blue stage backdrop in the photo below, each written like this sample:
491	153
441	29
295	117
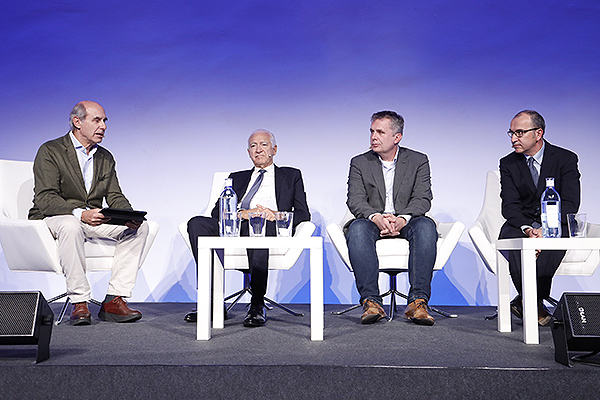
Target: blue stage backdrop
184	84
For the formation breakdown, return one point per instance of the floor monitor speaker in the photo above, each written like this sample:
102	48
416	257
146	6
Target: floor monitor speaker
576	325
26	318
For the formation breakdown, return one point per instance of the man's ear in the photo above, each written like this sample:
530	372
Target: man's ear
397	138
77	122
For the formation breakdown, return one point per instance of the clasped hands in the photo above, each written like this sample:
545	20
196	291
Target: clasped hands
95	218
388	224
269	214
534	233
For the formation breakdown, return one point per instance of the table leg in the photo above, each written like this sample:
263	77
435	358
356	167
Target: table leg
218	271
316	294
503	276
204	278
528	279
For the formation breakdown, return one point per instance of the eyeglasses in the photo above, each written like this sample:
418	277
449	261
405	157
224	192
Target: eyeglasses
519	132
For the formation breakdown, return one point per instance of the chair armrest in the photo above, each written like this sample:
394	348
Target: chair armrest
450	233
29	246
485	248
338	239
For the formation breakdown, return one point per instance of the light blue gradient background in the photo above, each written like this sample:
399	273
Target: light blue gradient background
184	84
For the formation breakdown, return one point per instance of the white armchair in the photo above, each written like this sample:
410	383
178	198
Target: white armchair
484	234
393	255
237	259
28	245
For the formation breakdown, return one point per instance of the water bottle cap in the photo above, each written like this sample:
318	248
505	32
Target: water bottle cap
549	182
228	182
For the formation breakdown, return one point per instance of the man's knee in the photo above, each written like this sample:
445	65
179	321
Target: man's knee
201	226
423	227
359	229
65	226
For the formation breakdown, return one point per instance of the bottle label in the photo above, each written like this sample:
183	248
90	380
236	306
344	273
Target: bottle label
552	215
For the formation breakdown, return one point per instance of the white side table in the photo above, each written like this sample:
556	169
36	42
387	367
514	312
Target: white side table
206	245
528	246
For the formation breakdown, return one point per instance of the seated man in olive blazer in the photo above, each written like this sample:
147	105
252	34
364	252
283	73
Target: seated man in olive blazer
73	175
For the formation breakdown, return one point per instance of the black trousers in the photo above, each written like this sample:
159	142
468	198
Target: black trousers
546	263
258	259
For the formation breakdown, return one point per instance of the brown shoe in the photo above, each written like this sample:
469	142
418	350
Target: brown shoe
417	313
117	310
544	316
373	312
81	314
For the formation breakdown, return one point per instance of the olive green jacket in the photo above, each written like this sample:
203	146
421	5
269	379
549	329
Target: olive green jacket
58	182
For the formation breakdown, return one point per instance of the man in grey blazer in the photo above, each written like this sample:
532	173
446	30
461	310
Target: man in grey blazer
389	192
73	176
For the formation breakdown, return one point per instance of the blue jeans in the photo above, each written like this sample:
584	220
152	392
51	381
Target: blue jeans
422	238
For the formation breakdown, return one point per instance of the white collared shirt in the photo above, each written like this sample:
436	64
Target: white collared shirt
265	196
389	173
86	163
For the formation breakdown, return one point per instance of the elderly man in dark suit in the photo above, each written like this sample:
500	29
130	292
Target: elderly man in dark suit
73	175
523	176
389	192
279	189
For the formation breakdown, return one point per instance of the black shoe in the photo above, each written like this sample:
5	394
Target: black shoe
256	317
192	316
516	307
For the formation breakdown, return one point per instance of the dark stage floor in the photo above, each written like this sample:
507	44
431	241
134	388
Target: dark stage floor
465	348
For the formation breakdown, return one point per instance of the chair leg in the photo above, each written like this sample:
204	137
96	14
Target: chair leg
238	295
63	310
393	292
354	307
493	316
284	308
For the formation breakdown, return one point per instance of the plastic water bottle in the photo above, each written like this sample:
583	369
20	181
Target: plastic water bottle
228	220
551	226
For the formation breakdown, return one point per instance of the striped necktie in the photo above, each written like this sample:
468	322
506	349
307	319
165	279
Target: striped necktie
246	202
534	173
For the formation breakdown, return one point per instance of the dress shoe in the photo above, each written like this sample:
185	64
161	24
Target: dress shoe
516	307
192	316
256	317
372	312
417	313
544	316
81	314
117	310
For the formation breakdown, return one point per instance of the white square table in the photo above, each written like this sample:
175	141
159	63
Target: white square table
206	268
528	246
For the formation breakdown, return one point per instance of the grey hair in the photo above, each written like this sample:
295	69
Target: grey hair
396	119
78	111
271	136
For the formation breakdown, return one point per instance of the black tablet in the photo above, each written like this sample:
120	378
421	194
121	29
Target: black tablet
120	217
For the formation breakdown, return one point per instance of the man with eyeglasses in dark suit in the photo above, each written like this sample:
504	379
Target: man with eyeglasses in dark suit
523	176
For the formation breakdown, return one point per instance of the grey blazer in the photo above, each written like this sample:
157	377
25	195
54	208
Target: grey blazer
412	184
58	182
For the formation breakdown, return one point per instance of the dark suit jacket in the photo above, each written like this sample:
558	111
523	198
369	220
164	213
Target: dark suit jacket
59	186
289	191
412	184
521	199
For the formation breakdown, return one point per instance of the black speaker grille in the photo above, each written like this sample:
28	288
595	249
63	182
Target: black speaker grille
584	312
17	313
